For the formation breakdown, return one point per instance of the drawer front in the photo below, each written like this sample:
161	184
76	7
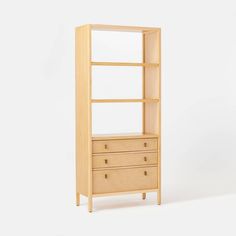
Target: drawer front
129	159
121	180
124	145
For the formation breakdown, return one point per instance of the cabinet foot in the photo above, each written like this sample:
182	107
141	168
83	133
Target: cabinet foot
143	196
77	199
159	197
90	204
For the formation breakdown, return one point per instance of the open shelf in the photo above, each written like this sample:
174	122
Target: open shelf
123	136
123	100
117	82
123	64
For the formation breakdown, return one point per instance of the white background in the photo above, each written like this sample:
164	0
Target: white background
37	173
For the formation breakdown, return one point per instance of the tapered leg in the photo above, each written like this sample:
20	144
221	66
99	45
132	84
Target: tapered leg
143	196
159	197
77	199
90	204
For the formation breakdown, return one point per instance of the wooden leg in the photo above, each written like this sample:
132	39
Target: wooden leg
143	196
90	204
77	199
159	197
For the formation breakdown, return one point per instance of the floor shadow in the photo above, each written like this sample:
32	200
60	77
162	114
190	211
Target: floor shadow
125	201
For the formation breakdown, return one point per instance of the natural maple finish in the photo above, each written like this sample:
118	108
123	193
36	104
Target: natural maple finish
124	159
123	136
123	100
109	146
125	192
109	181
113	164
123	28
83	113
143	196
123	64
152	90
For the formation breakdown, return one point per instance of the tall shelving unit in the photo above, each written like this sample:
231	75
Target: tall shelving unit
125	163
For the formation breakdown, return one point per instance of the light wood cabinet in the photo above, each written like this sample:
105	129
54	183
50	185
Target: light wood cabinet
123	163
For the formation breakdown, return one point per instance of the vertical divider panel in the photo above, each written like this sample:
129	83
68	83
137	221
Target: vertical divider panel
83	110
153	90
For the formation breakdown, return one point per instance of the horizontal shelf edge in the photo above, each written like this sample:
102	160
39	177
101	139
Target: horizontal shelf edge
120	153
122	28
123	64
125	192
122	100
124	167
124	136
123	152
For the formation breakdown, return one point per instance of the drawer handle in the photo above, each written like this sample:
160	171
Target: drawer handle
145	158
105	146
106	161
145	173
105	176
145	144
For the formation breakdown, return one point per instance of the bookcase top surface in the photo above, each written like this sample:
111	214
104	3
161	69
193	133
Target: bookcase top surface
122	28
123	136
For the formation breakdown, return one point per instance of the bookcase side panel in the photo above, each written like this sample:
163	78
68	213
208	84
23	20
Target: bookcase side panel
83	108
152	82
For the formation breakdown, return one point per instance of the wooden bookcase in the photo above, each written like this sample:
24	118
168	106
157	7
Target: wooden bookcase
125	163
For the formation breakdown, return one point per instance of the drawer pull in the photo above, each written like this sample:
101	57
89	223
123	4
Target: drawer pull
105	176
105	146
145	173
145	158
145	144
106	161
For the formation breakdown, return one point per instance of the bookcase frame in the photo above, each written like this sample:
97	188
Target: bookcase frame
151	103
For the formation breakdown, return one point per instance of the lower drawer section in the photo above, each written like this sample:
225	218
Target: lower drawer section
119	180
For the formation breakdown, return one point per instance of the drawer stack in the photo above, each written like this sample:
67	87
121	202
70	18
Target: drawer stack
123	165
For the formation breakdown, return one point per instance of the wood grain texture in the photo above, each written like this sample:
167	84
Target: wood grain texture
108	181
125	192
153	90
124	159
123	28
123	136
123	64
159	121
108	146
143	83
152	82
83	110
123	100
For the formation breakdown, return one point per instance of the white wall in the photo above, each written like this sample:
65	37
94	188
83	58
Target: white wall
37	118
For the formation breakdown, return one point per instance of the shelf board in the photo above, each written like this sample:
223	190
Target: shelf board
123	136
104	63
123	28
123	100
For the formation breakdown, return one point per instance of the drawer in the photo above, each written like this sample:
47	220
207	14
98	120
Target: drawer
124	159
122	180
124	145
